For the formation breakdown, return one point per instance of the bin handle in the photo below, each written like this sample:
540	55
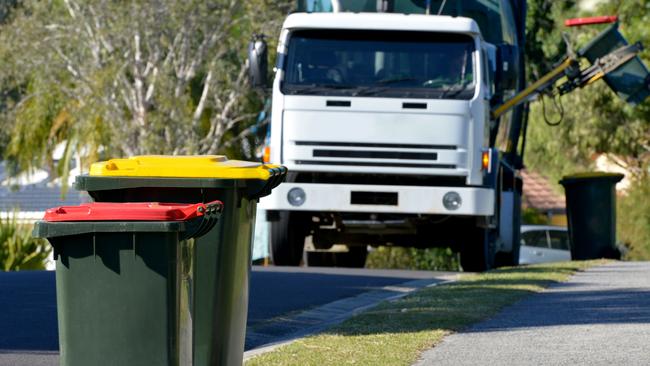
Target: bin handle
207	215
277	174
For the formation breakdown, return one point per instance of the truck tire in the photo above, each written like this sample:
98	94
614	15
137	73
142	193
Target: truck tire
287	239
478	250
354	258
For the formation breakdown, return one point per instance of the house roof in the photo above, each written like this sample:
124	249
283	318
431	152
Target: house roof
36	198
539	193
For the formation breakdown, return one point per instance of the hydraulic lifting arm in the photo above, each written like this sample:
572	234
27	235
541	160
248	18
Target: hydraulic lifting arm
541	85
575	77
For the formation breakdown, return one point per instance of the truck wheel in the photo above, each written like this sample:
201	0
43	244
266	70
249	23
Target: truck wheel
477	250
354	258
287	239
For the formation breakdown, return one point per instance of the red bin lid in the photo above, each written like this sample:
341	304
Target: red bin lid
577	22
149	211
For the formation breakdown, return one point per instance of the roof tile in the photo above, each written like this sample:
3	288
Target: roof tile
539	193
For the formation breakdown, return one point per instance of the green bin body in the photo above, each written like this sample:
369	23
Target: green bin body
630	80
591	213
222	256
123	292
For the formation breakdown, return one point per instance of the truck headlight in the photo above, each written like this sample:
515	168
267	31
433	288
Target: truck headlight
451	201
296	196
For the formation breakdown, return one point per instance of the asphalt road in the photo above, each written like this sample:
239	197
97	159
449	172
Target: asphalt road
28	329
600	317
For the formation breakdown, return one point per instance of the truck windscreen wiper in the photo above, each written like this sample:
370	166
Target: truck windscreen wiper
364	91
453	90
395	80
315	88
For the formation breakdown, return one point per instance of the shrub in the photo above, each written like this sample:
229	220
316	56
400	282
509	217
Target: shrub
531	216
431	259
633	220
18	249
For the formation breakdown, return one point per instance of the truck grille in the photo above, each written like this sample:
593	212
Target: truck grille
417	156
388	146
374	154
364	163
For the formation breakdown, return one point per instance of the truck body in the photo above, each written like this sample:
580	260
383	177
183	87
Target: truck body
383	119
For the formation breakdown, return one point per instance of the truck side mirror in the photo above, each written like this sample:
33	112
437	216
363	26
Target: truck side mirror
258	61
507	67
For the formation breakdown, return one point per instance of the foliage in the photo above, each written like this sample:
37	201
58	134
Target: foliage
530	216
633	220
432	259
594	119
117	78
18	249
544	44
547	148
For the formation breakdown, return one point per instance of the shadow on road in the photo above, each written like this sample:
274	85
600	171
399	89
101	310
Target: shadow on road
455	306
279	292
28	312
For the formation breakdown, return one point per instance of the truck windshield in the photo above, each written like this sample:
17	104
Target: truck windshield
380	64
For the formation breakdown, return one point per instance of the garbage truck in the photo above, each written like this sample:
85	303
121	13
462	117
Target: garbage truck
397	123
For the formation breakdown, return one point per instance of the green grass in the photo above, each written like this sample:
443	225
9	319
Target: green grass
18	249
394	333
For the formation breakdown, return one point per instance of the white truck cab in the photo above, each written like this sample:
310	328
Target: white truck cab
383	120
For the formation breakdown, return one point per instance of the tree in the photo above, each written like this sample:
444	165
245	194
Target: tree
128	78
6	93
544	44
596	121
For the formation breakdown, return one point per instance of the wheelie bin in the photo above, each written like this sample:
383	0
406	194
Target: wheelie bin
630	80
123	280
591	214
223	255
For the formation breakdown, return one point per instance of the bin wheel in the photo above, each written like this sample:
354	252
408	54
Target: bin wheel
478	250
354	258
287	239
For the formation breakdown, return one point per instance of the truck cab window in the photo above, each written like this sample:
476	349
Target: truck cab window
380	63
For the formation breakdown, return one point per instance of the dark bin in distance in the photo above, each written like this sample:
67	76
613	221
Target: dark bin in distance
123	280
591	213
223	256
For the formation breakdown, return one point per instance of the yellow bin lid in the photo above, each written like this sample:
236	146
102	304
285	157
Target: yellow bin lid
206	166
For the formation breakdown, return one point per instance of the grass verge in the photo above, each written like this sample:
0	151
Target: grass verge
394	333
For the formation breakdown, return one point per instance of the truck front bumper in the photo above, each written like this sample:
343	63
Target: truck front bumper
475	201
